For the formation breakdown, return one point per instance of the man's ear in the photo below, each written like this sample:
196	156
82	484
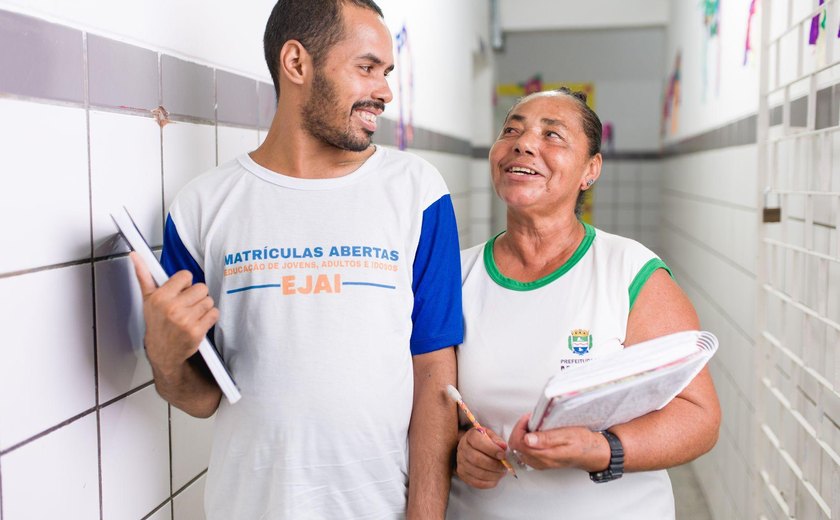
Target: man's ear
295	63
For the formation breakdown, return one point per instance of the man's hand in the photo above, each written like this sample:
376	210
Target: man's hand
178	315
478	460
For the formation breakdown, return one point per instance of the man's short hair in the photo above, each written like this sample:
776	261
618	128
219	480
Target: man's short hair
316	24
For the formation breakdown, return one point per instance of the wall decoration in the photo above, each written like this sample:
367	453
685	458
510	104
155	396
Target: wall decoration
535	84
817	26
712	47
671	106
748	45
404	69
817	35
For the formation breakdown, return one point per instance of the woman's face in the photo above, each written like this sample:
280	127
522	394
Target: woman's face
541	158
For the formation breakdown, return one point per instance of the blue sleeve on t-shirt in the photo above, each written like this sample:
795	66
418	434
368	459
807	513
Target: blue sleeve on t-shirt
175	256
437	317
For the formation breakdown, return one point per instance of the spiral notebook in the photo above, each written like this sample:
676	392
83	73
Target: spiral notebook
623	386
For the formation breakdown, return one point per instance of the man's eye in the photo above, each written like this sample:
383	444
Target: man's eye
508	130
366	68
553	135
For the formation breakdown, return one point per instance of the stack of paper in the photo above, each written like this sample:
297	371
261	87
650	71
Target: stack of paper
628	384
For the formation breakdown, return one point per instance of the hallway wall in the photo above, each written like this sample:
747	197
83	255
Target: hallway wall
83	434
777	456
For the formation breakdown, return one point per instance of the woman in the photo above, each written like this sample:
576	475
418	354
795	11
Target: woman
526	292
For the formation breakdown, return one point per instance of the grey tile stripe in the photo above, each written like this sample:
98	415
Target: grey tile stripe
386	134
236	99
42	51
744	131
40	59
122	75
187	88
267	104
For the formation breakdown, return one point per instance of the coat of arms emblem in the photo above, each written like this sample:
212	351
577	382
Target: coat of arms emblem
580	341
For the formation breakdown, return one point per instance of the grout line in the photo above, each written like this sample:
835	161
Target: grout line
86	79
707	200
216	114
127	394
685	235
32	270
158	508
47	431
73	263
190	482
685	277
171	477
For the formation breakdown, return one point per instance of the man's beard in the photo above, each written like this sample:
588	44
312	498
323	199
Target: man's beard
322	106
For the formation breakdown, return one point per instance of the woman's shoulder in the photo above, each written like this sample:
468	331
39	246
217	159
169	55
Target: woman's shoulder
620	245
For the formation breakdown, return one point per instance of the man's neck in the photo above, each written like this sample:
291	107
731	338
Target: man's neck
290	150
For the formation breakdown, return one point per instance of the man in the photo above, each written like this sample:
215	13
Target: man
335	271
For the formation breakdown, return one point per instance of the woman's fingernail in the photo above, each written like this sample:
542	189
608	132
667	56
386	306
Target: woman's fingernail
531	439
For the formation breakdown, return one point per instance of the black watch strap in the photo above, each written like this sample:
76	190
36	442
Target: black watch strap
616	467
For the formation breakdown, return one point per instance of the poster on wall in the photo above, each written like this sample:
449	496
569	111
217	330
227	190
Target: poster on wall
506	95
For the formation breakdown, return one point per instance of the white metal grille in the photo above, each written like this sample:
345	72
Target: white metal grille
798	356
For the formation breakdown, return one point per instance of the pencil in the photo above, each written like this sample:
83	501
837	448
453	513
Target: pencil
455	395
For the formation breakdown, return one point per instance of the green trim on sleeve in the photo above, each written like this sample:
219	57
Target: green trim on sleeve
510	283
642	277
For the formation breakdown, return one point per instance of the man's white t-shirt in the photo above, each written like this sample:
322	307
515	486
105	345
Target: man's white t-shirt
326	288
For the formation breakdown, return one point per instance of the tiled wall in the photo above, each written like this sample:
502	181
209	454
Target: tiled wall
83	434
708	237
626	199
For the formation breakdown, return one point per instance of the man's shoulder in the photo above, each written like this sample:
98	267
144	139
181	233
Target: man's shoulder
211	181
407	161
423	177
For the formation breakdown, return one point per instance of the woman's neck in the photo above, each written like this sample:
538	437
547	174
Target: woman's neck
532	249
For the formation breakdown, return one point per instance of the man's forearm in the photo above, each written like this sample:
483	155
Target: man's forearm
433	434
190	389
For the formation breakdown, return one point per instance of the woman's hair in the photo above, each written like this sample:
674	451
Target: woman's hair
589	120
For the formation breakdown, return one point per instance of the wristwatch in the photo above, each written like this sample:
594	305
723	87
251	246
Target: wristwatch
616	467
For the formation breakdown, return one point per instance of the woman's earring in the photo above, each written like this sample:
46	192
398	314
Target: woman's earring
590	182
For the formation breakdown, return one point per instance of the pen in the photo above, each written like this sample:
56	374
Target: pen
456	396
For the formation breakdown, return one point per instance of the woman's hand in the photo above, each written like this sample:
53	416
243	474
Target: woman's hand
571	447
479	456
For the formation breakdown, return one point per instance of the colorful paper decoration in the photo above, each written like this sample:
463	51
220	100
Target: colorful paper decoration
405	90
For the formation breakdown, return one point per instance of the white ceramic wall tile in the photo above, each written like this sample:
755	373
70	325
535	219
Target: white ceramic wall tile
233	142
44	202
119	329
188	151
125	171
192	439
135	455
461	204
480	204
46	362
480	174
56	476
189	504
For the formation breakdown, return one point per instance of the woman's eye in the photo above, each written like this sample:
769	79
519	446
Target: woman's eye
509	130
553	135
